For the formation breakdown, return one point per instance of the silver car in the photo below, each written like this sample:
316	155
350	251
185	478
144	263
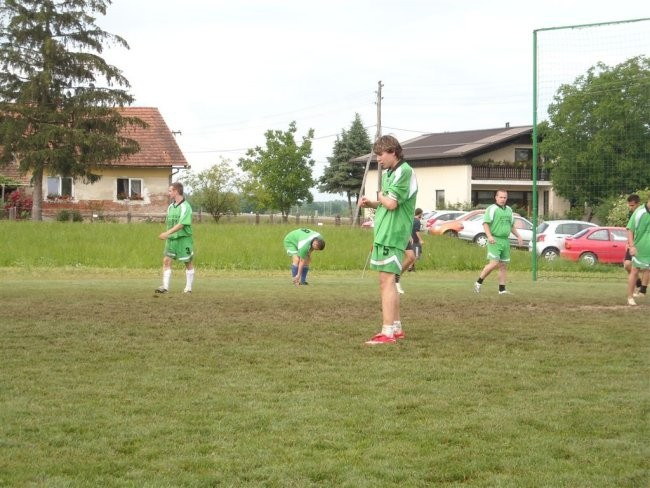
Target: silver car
551	234
472	230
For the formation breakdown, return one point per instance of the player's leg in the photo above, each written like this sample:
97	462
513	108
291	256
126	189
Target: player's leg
387	261
305	270
166	272
631	284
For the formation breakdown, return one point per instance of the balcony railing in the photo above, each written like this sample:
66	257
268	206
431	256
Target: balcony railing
508	173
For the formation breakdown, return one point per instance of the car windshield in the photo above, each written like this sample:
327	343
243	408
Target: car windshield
542	227
581	233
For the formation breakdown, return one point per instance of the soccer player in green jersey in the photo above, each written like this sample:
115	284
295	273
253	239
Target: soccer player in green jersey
299	245
498	223
179	244
395	208
638	242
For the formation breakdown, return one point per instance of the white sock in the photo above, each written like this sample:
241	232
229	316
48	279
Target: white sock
387	330
167	274
189	277
397	326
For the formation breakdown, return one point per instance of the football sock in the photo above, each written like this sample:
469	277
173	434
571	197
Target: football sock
480	280
303	276
294	270
643	289
502	287
397	325
189	277
387	330
167	274
397	277
638	282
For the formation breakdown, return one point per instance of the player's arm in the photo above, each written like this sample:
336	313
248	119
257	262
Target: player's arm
630	242
516	233
165	235
488	232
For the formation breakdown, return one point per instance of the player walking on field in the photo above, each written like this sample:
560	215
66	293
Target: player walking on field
299	245
638	242
498	223
178	239
395	208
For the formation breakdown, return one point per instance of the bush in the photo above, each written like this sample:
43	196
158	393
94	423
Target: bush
67	215
22	202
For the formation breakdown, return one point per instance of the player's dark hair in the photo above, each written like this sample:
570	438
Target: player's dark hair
418	211
634	198
388	144
321	243
178	186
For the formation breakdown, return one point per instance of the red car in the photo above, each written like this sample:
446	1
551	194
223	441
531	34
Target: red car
596	245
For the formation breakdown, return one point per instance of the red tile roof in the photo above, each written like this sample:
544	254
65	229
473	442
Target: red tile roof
158	146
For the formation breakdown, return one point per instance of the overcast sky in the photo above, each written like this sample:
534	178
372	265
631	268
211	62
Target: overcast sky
224	72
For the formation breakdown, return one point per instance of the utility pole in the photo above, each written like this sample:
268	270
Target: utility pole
365	173
380	85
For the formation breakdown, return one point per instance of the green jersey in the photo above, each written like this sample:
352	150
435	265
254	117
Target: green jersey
639	224
393	227
500	220
299	241
180	213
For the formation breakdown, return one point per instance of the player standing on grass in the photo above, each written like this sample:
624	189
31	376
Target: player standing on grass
633	202
299	244
179	244
395	207
498	222
413	250
638	242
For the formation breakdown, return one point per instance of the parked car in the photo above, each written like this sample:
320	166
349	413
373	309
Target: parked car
551	234
451	227
442	216
472	230
596	245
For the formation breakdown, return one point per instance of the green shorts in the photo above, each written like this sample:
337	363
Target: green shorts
500	250
181	249
387	259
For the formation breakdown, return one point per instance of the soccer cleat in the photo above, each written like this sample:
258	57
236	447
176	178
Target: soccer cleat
399	334
630	301
477	287
504	292
381	339
304	283
638	294
187	290
160	289
400	290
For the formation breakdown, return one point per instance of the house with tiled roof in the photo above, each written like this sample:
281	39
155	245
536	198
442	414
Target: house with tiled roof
467	167
135	185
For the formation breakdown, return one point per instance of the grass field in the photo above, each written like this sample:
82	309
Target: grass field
250	382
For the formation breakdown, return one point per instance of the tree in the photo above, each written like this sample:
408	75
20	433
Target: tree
342	176
58	97
280	176
597	139
215	190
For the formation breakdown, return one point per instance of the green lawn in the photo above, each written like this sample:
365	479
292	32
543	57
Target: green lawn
250	382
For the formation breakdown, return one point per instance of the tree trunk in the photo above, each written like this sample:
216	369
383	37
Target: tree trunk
37	194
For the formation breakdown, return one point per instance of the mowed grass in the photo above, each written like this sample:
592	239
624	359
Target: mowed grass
250	382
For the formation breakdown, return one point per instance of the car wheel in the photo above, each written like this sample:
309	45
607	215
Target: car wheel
451	233
550	254
589	258
481	239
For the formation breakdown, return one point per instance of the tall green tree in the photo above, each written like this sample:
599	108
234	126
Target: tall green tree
280	175
341	176
215	190
597	139
58	97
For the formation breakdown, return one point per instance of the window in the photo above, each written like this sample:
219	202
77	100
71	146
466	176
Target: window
600	235
523	154
440	198
130	188
59	186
